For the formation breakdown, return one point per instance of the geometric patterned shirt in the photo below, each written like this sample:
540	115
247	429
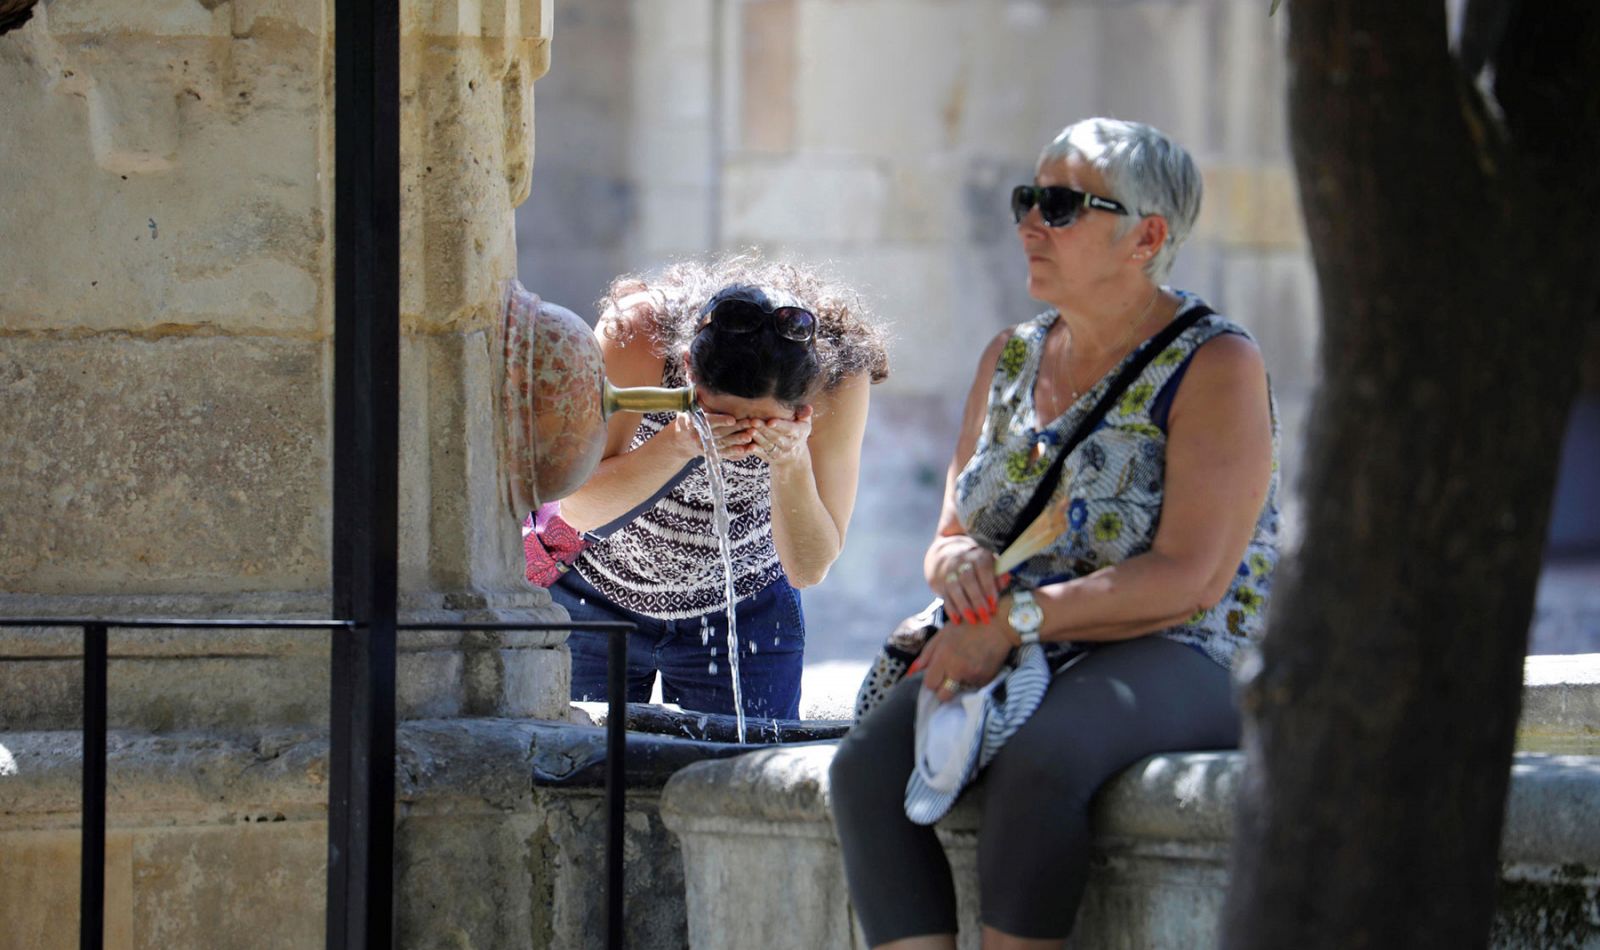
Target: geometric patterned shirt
662	559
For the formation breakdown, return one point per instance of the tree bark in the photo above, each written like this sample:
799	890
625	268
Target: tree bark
1457	257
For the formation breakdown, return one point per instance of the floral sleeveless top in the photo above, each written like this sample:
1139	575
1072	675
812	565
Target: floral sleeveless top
1111	483
662	559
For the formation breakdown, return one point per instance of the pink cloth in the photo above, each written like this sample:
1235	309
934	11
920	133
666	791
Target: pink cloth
550	544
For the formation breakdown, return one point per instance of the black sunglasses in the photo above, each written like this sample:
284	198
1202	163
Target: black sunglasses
1058	206
737	315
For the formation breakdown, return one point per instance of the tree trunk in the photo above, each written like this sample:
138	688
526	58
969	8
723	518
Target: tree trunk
1457	258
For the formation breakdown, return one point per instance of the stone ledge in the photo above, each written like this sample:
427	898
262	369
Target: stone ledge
1561	704
1163	832
455	765
1552	811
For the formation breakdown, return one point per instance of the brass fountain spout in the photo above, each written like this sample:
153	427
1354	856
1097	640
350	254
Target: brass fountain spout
644	398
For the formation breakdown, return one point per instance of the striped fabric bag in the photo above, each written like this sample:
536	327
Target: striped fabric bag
955	740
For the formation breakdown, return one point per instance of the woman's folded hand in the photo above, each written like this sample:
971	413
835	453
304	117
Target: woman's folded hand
961	571
964	657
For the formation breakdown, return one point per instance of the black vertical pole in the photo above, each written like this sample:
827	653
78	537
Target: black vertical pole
365	471
616	751
92	886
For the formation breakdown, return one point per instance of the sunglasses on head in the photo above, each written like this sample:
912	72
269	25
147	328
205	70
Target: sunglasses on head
738	315
1058	206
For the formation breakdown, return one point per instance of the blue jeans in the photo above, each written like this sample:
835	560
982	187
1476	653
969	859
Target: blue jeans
694	671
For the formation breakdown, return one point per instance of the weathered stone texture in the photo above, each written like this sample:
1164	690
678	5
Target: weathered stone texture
221	842
246	886
1561	705
173	680
39	878
167	464
169	186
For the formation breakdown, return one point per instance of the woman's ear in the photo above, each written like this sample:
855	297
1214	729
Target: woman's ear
1150	237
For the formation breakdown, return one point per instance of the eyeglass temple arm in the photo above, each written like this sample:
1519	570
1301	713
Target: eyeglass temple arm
1104	204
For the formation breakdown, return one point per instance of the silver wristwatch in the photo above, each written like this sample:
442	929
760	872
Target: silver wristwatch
1025	616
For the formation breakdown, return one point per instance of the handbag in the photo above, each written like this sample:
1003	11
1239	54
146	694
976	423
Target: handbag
1031	533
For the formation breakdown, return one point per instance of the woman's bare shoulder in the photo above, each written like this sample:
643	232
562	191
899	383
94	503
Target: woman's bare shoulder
628	340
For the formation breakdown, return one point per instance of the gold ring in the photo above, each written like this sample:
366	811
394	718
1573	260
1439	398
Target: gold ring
950	685
964	568
951	577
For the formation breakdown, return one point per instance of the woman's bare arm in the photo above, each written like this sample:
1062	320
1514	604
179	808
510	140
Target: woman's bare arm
814	489
1218	470
623	479
973	595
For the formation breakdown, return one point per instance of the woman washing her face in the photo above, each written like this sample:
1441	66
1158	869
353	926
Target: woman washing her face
781	362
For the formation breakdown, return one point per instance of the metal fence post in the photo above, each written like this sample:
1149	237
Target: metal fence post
92	887
366	398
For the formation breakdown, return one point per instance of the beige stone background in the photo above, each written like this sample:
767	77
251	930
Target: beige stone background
166	311
881	136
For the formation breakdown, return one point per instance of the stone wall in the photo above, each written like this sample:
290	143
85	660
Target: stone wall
220	842
166	319
166	352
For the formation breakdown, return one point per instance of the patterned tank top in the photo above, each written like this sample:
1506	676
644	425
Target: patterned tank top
1111	483
662	559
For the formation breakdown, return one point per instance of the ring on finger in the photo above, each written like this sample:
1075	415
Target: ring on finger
950	685
951	577
964	568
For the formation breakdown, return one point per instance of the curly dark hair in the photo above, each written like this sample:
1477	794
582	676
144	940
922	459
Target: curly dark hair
848	342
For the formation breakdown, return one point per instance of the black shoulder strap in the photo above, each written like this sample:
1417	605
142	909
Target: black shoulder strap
1130	372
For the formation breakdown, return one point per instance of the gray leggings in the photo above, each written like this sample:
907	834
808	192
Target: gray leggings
1122	702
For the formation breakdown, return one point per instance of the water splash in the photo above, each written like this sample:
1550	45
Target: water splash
719	521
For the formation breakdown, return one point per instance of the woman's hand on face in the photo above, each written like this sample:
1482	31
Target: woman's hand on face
963	574
962	658
783	442
732	436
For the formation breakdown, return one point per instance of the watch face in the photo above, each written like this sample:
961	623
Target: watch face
1026	615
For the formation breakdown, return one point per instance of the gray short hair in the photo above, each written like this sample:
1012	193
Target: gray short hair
1146	170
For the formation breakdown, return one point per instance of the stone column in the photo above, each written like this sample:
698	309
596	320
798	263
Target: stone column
166	354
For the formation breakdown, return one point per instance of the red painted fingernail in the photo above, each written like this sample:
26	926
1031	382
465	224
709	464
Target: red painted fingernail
955	620
993	605
972	617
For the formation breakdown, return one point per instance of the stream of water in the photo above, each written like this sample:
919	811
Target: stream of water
719	521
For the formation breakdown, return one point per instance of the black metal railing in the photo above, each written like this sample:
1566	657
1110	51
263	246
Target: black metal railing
96	637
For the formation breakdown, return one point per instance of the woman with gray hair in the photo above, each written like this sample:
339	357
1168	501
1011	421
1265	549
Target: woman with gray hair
1153	583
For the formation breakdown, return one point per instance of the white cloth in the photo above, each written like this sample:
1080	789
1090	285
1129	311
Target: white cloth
955	740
